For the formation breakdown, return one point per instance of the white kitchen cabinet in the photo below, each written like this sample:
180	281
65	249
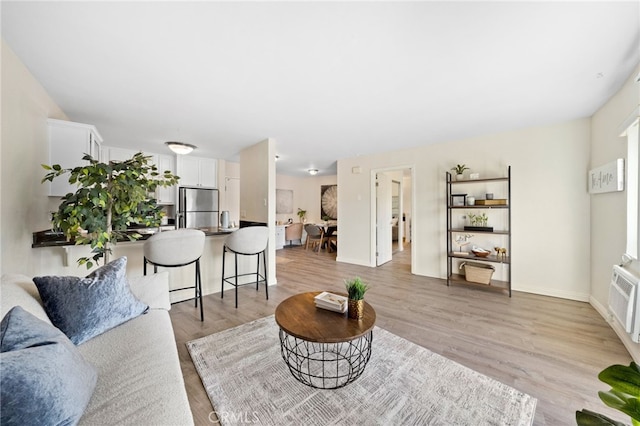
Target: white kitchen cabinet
166	195
117	154
68	143
197	171
162	161
280	237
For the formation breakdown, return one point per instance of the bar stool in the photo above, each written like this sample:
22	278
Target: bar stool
250	241
172	249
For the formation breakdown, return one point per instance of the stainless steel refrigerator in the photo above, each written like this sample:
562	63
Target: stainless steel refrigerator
198	207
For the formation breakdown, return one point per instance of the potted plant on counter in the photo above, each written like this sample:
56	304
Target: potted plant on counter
302	214
109	198
356	289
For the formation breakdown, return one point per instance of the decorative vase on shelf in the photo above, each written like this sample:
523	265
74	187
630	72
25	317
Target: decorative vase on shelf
460	177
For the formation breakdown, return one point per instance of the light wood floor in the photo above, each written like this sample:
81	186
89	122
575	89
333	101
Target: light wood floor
552	349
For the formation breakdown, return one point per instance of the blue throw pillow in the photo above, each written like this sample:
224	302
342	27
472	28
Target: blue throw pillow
43	378
86	307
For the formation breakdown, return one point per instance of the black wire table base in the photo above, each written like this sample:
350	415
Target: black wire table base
326	365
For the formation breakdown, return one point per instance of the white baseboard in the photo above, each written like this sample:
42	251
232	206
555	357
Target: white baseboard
580	297
353	261
632	347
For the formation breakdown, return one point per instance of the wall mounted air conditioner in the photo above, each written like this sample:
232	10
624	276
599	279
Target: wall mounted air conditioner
624	301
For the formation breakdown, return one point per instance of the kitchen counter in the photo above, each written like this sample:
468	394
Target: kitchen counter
50	238
59	257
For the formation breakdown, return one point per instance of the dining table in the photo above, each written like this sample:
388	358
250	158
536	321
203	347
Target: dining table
330	228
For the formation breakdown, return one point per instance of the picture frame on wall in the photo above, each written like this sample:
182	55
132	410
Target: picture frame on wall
284	201
329	202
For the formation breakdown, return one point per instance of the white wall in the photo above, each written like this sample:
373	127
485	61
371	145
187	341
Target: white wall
258	192
550	204
24	146
608	210
306	195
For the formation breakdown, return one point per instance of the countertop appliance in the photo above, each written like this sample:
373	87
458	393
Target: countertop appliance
198	207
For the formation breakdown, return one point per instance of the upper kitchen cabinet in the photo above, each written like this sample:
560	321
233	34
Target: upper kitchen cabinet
68	143
197	171
162	161
166	195
111	153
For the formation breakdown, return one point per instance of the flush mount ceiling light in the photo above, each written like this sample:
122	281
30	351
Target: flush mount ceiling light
313	172
180	147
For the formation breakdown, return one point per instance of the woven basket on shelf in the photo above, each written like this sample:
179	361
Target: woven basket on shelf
477	272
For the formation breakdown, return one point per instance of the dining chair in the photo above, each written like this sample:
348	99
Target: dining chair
315	236
293	232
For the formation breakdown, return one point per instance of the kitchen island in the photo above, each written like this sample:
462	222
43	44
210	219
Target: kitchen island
58	256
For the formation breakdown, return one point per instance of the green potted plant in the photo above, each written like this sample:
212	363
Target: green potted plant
302	214
624	396
459	169
356	289
108	199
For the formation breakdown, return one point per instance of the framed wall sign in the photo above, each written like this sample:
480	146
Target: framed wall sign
607	178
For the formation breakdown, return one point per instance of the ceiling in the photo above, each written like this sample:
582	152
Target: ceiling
326	80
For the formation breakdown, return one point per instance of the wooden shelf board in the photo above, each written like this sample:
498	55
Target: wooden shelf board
498	179
491	258
466	231
494	206
494	285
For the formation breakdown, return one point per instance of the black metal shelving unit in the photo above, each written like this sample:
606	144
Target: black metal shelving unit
506	260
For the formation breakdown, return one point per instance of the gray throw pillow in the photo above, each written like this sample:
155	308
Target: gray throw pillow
43	379
86	307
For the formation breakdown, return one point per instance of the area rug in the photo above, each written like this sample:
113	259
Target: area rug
247	381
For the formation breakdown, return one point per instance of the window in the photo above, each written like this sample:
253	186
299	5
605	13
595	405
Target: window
633	189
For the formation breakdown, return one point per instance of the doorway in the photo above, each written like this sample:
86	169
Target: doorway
392	215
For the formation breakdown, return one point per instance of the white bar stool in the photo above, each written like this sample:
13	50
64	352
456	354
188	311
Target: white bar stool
173	249
249	241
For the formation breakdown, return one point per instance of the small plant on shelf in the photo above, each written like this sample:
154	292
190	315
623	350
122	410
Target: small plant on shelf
478	219
460	168
356	288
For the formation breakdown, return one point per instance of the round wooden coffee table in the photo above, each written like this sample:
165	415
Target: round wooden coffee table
323	349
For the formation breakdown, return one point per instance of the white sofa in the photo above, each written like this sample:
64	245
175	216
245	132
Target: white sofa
139	376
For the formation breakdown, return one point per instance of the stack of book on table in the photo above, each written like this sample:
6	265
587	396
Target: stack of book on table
331	302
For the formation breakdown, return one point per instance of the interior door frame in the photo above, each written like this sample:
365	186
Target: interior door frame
372	211
384	213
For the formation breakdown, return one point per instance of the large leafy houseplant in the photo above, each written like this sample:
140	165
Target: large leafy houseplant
624	396
109	198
